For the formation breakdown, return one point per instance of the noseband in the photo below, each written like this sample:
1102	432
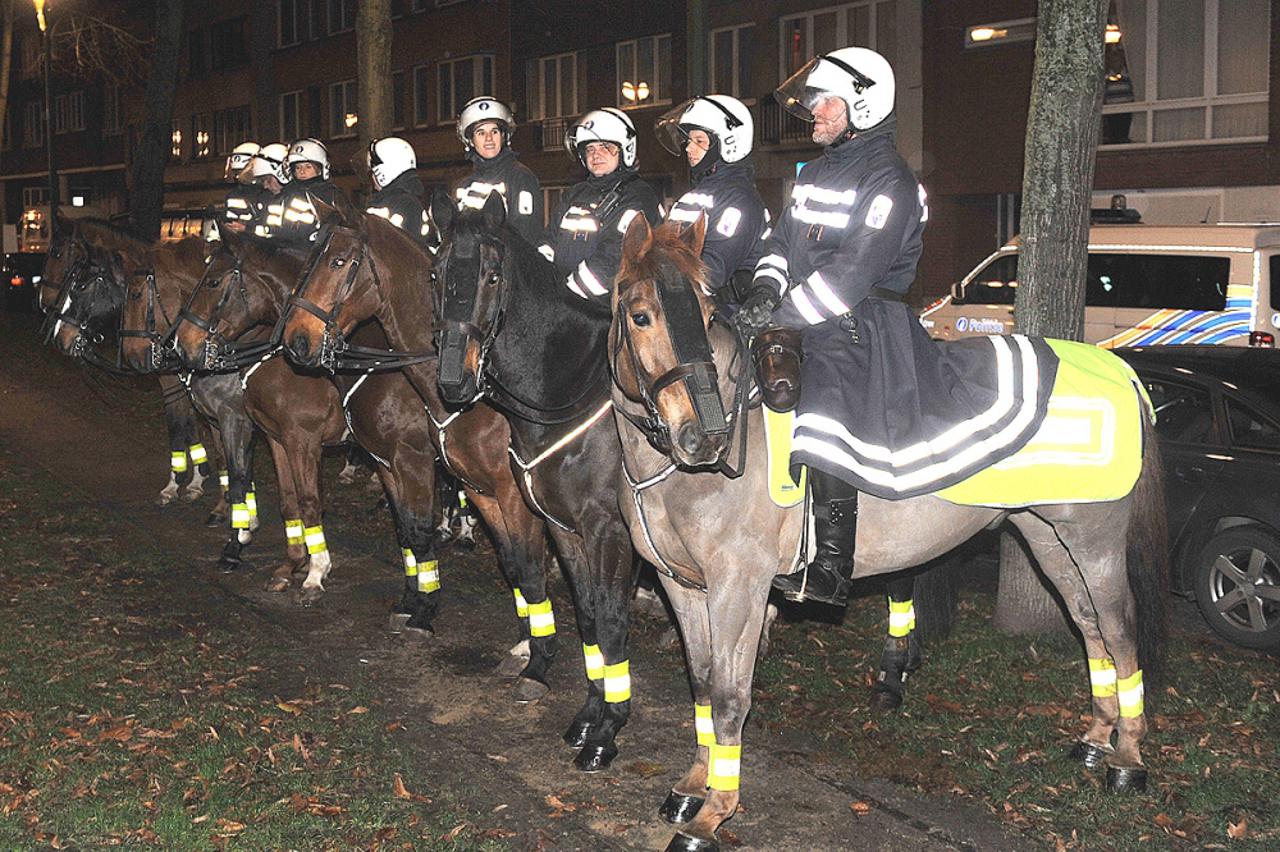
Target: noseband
161	354
220	355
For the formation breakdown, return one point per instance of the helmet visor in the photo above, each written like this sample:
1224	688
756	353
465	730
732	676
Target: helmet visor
669	131
796	96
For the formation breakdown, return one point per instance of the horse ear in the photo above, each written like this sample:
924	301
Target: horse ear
62	223
636	241
494	212
232	239
442	211
695	235
326	213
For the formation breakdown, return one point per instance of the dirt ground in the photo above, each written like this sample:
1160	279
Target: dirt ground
458	719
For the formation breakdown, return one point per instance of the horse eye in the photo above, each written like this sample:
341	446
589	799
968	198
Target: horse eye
213	283
640	319
494	277
338	262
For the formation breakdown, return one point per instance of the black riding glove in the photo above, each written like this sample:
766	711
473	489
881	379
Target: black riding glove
756	310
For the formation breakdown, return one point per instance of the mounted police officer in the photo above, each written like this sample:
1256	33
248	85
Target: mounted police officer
714	133
484	126
241	200
308	164
584	238
269	172
397	196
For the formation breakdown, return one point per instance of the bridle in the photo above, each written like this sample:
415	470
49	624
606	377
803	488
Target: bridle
220	355
336	353
83	275
453	334
161	354
696	369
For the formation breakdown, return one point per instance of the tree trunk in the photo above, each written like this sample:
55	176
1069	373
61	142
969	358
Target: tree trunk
146	196
1057	181
6	57
373	78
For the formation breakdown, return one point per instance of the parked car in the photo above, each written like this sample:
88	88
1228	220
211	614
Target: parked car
21	275
1218	421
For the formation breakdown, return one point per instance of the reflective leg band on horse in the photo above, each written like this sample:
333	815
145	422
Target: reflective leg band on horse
902	618
542	621
702	725
251	501
410	562
293	531
522	607
224	480
617	682
726	765
1129	690
594	661
198	454
1102	677
314	538
429	576
239	516
178	461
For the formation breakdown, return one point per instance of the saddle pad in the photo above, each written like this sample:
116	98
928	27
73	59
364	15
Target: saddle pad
1087	450
784	490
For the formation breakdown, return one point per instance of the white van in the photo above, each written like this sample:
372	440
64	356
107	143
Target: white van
1148	285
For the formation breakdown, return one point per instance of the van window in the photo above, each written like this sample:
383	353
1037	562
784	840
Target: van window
996	284
1181	282
1275	276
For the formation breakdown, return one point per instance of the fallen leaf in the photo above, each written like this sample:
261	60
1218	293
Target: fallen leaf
355	711
1238	830
120	733
452	834
289	708
860	808
397	787
646	768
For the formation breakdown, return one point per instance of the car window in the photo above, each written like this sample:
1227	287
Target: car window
1183	414
1250	429
995	284
1275	277
1182	282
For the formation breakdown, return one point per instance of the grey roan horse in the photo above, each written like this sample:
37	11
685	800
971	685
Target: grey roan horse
721	539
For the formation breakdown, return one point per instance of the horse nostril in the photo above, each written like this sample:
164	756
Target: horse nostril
689	438
300	345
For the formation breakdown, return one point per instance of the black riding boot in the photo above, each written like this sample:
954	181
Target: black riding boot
827	577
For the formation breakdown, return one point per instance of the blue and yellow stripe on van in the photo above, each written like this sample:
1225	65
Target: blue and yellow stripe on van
1173	327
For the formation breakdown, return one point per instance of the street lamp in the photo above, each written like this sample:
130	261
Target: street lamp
48	99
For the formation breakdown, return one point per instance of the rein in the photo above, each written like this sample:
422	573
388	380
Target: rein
163	357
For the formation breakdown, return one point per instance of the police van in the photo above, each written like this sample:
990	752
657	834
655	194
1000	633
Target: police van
1147	285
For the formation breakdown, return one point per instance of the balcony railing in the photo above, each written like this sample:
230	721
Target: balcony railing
777	126
553	130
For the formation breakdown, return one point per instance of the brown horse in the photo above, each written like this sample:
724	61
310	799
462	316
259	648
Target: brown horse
81	294
723	539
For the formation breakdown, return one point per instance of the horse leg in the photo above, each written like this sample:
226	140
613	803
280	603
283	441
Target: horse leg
218	514
1089	572
303	459
238	444
611	562
736	610
199	463
573	557
467	522
901	655
179	420
690	607
295	557
410	485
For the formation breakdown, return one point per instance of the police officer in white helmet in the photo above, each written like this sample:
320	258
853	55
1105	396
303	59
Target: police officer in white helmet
242	198
268	171
883	409
308	163
714	134
397	195
584	237
485	126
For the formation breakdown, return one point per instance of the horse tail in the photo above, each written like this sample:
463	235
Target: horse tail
1147	559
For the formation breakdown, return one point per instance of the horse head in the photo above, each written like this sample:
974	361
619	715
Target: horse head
79	288
157	280
662	340
229	298
471	289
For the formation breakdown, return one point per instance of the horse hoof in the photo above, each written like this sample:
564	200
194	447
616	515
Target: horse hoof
512	666
1089	754
684	843
277	584
528	690
164	499
216	519
885	700
190	496
397	621
576	736
595	758
230	564
1126	779
680	807
467	544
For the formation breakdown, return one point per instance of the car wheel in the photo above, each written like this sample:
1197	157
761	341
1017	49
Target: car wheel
1237	586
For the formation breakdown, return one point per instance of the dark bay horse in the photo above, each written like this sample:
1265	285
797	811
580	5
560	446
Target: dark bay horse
723	539
361	273
81	293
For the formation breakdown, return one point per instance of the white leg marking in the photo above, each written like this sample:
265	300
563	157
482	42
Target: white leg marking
317	570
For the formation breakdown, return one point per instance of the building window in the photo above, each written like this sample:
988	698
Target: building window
551	196
231	127
398	82
342	15
729	58
460	80
201	135
866	24
33	125
175	141
227	44
1181	73
644	71
68	112
112	111
342	109
421	89
291	115
291	20
553	86
34	196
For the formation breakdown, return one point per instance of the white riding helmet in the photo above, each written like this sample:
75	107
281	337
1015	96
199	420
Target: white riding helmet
484	108
238	159
309	150
388	158
270	160
862	78
603	125
725	118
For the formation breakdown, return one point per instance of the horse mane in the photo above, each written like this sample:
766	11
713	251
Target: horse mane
666	244
111	237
